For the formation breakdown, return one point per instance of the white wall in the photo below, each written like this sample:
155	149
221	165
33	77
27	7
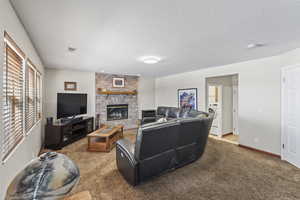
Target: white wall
146	94
259	98
54	83
291	58
30	147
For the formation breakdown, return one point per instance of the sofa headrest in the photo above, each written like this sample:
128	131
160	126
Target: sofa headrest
173	112
162	111
155	138
189	119
195	113
157	125
183	113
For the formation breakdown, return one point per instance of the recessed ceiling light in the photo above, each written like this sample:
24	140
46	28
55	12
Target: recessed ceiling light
72	49
255	45
150	59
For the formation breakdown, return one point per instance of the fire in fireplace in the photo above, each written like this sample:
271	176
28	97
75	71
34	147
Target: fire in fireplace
117	112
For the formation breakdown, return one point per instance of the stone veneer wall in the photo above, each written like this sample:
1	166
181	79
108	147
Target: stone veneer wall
104	81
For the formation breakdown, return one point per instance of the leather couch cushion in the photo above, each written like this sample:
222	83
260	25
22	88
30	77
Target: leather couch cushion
157	164
187	154
155	139
189	131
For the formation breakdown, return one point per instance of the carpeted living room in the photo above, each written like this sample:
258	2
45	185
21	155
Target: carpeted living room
224	172
149	100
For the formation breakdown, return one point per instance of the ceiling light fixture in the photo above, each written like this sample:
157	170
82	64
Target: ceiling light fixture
255	45
150	59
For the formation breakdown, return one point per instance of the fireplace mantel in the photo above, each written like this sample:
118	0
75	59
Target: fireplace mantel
110	92
107	95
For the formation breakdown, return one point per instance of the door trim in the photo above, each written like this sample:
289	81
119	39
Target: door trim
235	106
216	76
283	135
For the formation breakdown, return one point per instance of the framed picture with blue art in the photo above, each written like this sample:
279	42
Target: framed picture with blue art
187	98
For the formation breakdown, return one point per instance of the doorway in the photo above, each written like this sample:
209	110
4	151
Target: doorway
222	97
291	115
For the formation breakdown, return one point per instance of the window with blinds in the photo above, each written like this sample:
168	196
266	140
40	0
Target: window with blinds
12	96
30	100
38	96
22	92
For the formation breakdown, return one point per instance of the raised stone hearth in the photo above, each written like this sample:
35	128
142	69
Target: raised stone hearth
113	105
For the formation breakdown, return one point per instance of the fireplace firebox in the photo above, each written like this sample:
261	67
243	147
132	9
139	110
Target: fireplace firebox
117	112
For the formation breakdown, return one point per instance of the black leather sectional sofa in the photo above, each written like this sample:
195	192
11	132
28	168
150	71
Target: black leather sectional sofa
167	112
162	147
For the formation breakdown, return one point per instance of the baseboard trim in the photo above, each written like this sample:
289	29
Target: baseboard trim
226	134
260	151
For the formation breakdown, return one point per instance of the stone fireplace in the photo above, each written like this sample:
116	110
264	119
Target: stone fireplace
115	109
117	112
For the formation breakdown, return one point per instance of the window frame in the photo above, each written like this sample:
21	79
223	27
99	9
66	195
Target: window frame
9	43
39	97
29	66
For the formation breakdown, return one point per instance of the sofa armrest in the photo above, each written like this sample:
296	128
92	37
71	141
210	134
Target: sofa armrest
127	148
126	162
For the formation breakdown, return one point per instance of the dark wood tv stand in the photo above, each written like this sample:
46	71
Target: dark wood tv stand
58	135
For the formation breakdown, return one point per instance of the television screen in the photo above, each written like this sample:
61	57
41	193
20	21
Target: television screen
71	104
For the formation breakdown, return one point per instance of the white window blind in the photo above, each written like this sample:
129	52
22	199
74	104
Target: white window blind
12	96
38	96
30	98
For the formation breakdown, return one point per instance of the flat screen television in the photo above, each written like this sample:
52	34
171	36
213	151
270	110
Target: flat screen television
69	105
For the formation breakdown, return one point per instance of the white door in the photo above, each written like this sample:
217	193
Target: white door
291	115
235	108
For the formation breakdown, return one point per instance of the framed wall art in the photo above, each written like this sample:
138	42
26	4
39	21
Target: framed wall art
187	98
118	82
71	86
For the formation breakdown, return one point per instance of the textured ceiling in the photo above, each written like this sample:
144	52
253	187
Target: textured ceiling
188	35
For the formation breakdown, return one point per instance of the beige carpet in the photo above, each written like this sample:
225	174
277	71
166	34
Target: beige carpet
225	171
231	137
